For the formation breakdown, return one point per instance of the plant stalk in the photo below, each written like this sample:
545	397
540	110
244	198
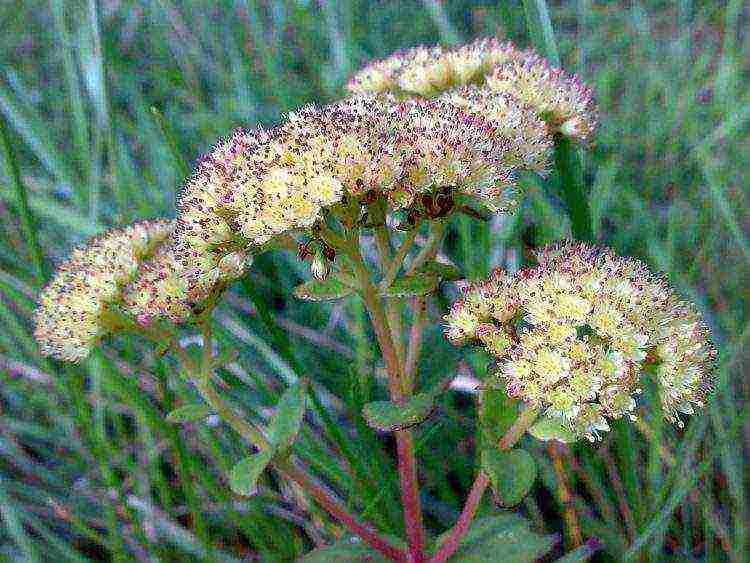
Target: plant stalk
338	511
514	433
399	390
201	377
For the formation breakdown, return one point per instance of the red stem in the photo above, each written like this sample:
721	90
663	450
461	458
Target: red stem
407	470
399	389
330	504
514	433
464	521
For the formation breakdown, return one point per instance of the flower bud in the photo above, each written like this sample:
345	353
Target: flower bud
320	266
233	265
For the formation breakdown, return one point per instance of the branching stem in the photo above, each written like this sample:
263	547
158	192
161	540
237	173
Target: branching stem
514	433
201	374
400	389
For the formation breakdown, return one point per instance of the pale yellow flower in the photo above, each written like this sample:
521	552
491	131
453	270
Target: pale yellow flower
74	306
596	322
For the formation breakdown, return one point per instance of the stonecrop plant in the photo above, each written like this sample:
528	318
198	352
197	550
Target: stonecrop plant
574	338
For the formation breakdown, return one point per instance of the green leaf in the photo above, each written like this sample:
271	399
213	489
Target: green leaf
418	284
243	478
286	422
497	412
583	553
444	272
505	537
189	413
388	416
512	473
539	24
351	550
546	429
327	290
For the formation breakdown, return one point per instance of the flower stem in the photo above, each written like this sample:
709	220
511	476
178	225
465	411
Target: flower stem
399	390
572	526
514	433
430	249
398	259
201	377
338	511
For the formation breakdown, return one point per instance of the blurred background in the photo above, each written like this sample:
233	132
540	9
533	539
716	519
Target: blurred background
105	106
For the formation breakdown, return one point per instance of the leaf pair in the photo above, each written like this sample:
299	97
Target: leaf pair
283	428
423	282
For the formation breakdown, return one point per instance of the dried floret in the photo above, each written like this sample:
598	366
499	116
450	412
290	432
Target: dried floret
74	308
575	334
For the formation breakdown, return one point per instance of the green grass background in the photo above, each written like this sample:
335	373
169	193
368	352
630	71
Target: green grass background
104	108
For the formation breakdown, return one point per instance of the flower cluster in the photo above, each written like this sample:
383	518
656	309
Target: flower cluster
683	356
532	143
430	71
557	97
574	334
561	99
73	308
262	184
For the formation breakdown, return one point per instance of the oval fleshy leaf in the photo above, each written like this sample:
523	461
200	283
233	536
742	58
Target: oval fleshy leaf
351	550
497	412
504	537
286	422
407	286
388	416
546	429
189	413
243	479
512	473
445	272
330	289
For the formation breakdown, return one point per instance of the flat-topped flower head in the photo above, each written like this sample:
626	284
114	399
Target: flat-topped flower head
574	334
72	313
430	71
444	146
259	185
560	98
403	149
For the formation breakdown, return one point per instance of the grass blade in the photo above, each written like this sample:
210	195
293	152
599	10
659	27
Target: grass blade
28	225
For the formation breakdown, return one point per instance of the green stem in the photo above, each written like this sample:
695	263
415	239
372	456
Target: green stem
573	189
430	249
395	264
399	390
